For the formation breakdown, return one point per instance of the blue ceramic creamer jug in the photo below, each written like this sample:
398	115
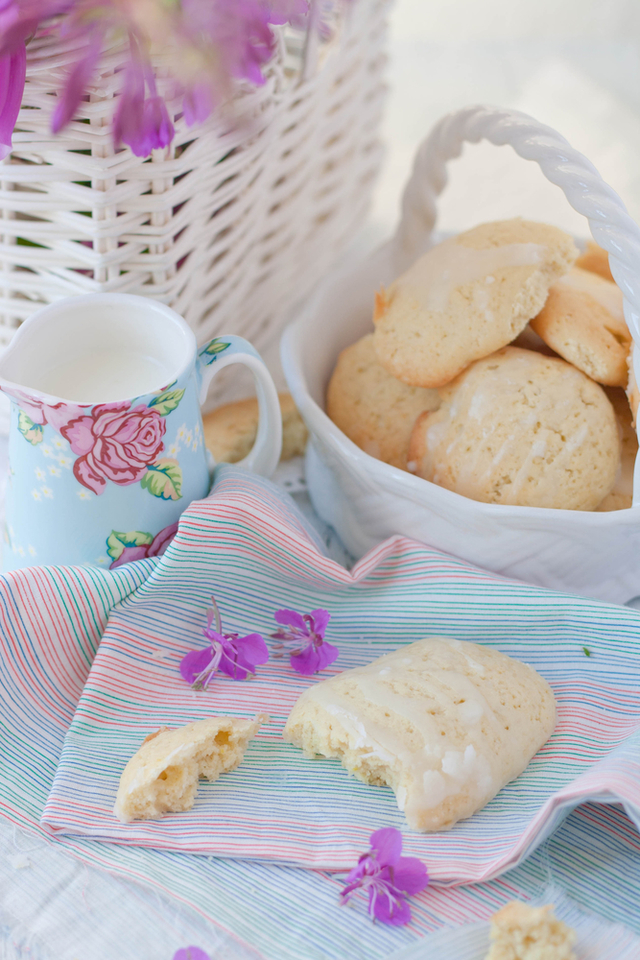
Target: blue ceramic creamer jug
106	447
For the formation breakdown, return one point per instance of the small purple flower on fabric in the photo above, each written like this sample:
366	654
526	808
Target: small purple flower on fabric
191	953
302	637
230	653
388	878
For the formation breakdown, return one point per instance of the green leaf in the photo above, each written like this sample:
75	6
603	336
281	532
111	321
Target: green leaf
163	479
165	402
586	651
33	432
116	542
212	349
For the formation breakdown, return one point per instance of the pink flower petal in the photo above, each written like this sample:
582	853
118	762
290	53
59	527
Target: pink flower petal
87	477
79	433
162	540
320	620
410	875
387	844
306	662
312	658
191	953
194	663
394	912
75	87
291	619
253	648
13	68
129	554
60	414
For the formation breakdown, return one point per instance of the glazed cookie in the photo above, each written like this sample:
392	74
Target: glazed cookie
621	496
522	932
374	409
520	428
445	723
595	260
162	776
466	298
583	322
230	431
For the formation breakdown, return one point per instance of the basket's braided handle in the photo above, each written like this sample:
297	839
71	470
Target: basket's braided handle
584	188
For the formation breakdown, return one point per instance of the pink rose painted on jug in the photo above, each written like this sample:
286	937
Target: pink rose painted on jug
114	443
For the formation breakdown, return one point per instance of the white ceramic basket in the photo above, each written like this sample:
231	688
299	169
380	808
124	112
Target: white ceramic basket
365	500
231	224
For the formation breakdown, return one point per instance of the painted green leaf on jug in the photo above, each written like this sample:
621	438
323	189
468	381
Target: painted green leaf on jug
116	542
163	479
33	432
213	348
165	402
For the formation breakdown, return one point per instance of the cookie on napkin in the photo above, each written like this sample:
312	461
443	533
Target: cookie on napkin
445	723
521	932
583	321
523	429
466	298
162	776
374	409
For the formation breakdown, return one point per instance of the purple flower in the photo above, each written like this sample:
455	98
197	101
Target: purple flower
388	877
191	953
143	124
13	67
228	652
19	19
77	82
303	638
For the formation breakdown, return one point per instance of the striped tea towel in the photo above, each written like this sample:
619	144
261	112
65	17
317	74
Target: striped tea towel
595	938
246	546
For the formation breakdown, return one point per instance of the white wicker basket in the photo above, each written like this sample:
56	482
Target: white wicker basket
232	223
366	500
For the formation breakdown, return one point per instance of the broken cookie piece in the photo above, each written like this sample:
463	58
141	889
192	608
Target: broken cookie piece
162	777
522	932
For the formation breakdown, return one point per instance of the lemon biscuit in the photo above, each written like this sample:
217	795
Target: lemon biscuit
621	495
163	775
520	428
230	431
374	409
466	298
583	321
445	723
596	260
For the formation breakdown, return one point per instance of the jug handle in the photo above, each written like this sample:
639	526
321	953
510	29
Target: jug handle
224	350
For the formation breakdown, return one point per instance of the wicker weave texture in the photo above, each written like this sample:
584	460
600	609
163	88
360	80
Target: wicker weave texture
232	223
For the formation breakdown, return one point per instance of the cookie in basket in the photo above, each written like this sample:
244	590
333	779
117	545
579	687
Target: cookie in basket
466	298
521	932
374	409
583	321
520	428
621	496
163	775
596	260
445	723
230	430
633	394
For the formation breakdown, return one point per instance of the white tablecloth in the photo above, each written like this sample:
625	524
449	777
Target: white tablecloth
575	66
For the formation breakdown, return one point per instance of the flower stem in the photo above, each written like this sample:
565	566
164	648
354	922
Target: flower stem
216	614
